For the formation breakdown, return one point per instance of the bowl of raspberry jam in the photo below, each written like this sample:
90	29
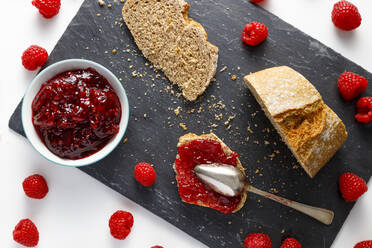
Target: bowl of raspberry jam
75	112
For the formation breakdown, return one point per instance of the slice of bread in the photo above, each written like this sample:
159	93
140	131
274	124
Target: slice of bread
187	138
309	127
173	42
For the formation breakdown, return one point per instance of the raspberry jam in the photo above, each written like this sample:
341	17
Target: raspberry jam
191	190
76	113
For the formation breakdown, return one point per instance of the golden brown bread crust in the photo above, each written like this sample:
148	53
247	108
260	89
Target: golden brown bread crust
173	42
309	127
187	138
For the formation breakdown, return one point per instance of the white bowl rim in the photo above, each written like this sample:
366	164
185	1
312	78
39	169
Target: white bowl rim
123	118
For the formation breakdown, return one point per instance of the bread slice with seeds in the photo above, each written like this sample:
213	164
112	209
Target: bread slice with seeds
173	42
309	127
187	138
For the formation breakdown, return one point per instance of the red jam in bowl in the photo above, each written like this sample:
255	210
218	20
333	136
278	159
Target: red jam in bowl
191	190
76	113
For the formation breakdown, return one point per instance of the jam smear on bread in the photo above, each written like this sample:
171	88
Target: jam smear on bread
190	188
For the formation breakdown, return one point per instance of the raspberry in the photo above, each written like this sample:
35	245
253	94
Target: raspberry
290	243
256	1
120	224
257	240
26	233
48	8
157	246
145	174
352	186
35	186
364	244
254	33
345	15
350	85
34	57
364	110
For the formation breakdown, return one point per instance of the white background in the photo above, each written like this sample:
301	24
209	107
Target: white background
75	213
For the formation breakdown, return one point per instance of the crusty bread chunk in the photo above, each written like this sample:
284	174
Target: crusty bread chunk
173	42
187	138
310	128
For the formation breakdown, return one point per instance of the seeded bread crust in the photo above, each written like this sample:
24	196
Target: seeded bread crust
187	138
312	131
173	42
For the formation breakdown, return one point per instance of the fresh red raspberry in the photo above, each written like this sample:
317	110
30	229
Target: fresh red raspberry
120	224
350	85
26	233
364	110
35	186
145	174
256	1
352	186
364	244
157	246
345	15
34	57
48	8
254	33
291	243
257	240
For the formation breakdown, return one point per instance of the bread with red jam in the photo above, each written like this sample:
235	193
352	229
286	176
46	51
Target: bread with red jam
190	188
173	42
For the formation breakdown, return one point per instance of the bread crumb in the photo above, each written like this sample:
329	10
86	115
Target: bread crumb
275	190
109	5
249	129
233	77
190	111
183	126
177	111
98	14
101	2
125	140
218	117
223	69
114	51
267	142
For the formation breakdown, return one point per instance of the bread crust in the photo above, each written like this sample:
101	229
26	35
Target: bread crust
187	138
173	42
312	131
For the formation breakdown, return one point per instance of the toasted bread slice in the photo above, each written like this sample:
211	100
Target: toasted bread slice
187	138
309	127
173	42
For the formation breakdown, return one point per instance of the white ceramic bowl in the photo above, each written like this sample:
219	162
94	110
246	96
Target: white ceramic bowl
47	74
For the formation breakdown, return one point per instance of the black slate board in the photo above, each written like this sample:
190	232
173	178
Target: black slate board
153	138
